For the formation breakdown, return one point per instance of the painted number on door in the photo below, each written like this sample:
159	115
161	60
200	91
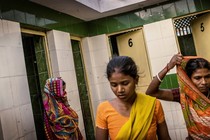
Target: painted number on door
202	27
130	43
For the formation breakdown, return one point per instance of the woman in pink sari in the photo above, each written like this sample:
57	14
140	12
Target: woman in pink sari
60	120
193	93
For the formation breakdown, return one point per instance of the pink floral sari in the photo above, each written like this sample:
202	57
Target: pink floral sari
61	121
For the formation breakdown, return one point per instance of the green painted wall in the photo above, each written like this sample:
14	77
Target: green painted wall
36	16
147	15
169	81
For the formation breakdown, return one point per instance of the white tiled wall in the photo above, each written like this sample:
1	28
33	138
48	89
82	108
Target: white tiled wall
16	118
96	56
161	46
62	62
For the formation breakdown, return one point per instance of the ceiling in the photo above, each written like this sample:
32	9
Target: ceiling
94	9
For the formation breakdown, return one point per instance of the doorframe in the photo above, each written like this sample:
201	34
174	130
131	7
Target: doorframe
192	14
145	43
116	33
46	48
180	17
86	78
124	31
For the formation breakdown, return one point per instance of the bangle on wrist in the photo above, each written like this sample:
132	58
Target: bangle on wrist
159	78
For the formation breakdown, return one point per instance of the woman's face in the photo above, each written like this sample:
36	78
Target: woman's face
201	79
123	86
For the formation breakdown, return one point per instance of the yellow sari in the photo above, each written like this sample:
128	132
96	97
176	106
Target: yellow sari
140	119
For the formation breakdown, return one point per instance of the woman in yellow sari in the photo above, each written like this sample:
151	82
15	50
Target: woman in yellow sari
130	116
193	94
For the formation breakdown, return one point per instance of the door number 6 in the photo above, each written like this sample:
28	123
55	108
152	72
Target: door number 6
130	43
202	27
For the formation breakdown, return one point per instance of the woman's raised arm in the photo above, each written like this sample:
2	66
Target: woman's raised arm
154	90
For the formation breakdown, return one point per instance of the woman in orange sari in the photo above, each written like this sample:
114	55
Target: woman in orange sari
132	115
60	120
194	83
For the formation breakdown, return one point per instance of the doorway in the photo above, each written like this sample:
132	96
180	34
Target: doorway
83	89
34	46
201	30
131	43
190	36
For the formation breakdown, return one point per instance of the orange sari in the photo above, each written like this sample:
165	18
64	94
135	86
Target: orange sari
195	105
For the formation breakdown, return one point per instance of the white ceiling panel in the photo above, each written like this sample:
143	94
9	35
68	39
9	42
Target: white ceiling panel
94	9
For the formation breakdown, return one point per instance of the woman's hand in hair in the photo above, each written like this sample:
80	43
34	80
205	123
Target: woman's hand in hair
175	60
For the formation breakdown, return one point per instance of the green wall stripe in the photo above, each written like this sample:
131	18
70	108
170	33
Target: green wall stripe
169	81
33	15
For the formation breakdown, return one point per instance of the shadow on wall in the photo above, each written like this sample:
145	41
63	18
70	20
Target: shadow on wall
1	132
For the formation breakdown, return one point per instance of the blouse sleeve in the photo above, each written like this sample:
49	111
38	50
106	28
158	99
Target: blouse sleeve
176	94
159	112
100	117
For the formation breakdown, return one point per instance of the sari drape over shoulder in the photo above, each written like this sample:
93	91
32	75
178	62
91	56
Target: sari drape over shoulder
60	121
140	119
195	105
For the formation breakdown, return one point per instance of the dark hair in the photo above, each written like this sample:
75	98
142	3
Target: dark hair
64	83
123	64
194	64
